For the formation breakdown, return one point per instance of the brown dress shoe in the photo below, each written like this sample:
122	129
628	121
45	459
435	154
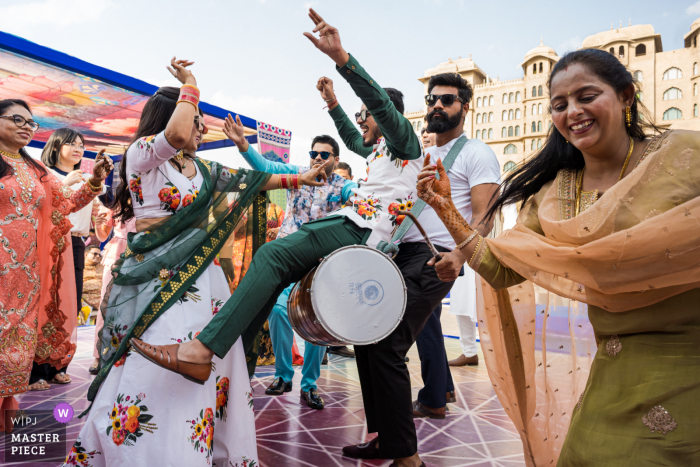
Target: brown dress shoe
463	360
166	356
422	411
451	398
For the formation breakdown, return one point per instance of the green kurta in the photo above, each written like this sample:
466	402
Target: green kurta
641	404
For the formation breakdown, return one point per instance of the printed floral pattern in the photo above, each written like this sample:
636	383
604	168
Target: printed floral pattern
216	305
190	294
203	432
135	188
190	336
79	456
401	164
369	208
245	462
129	420
189	197
222	385
311	203
399	205
249	396
169	198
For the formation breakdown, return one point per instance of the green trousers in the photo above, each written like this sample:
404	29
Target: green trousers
276	265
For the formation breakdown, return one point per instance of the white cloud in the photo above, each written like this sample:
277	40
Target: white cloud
54	12
570	45
693	9
267	108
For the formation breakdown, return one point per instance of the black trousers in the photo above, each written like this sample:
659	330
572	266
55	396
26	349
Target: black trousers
434	369
384	378
79	266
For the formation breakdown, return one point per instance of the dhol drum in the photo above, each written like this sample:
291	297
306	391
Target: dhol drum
356	296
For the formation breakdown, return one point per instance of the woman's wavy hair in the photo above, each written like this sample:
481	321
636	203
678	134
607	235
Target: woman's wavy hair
5	168
52	150
556	154
154	118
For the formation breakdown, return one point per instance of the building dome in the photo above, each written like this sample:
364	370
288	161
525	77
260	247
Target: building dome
695	24
541	51
626	34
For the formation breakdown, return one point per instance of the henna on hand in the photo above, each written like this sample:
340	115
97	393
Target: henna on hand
438	194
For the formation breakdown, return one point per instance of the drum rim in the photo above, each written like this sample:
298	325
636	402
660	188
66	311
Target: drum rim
322	321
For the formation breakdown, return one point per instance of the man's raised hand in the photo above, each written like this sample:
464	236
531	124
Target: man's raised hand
325	85
328	41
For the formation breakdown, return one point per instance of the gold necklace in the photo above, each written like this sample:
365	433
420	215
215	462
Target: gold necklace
579	178
180	156
10	155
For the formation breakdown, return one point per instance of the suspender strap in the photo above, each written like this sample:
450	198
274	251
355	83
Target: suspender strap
420	204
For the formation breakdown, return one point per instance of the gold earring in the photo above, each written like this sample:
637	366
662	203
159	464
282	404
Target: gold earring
567	141
628	116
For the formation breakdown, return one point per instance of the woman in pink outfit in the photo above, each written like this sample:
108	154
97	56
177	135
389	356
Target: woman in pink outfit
104	223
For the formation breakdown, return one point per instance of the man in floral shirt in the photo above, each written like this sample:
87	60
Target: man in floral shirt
386	387
303	205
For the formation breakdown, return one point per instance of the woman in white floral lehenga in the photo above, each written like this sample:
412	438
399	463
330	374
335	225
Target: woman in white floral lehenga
165	289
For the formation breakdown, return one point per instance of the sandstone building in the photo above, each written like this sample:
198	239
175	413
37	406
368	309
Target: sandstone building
513	116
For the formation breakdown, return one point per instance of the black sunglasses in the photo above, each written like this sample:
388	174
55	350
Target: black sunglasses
20	121
447	99
362	115
324	154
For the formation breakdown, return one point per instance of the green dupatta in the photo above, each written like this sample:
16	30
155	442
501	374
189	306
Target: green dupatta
186	243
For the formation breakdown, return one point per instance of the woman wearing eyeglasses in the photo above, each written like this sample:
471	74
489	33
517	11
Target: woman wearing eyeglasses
38	304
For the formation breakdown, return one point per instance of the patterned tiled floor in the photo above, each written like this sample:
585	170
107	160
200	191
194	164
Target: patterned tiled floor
476	431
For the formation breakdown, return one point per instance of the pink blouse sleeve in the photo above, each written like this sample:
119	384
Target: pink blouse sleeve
149	152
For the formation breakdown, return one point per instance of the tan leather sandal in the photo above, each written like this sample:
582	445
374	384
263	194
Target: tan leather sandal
166	357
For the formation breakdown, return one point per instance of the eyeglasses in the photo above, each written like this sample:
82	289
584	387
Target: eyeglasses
20	121
447	99
199	121
362	115
75	145
324	154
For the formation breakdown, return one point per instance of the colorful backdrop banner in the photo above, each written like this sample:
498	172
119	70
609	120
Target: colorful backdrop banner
104	105
274	142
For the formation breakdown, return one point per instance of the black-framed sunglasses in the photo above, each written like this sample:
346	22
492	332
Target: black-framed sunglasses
447	99
324	154
362	115
20	121
199	121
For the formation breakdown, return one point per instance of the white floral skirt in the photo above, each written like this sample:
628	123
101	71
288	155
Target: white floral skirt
144	415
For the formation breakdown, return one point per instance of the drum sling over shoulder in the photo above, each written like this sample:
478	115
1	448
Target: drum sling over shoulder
393	247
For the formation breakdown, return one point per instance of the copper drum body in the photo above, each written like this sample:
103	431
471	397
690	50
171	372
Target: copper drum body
356	296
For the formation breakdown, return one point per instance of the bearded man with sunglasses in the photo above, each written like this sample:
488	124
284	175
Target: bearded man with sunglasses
303	205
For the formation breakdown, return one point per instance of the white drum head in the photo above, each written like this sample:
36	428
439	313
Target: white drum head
359	295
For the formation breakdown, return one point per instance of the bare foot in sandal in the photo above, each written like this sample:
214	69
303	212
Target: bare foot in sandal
40	385
61	378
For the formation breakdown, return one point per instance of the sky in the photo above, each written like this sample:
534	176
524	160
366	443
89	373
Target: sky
251	57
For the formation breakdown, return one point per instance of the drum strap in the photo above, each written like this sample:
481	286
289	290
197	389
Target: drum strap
392	248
